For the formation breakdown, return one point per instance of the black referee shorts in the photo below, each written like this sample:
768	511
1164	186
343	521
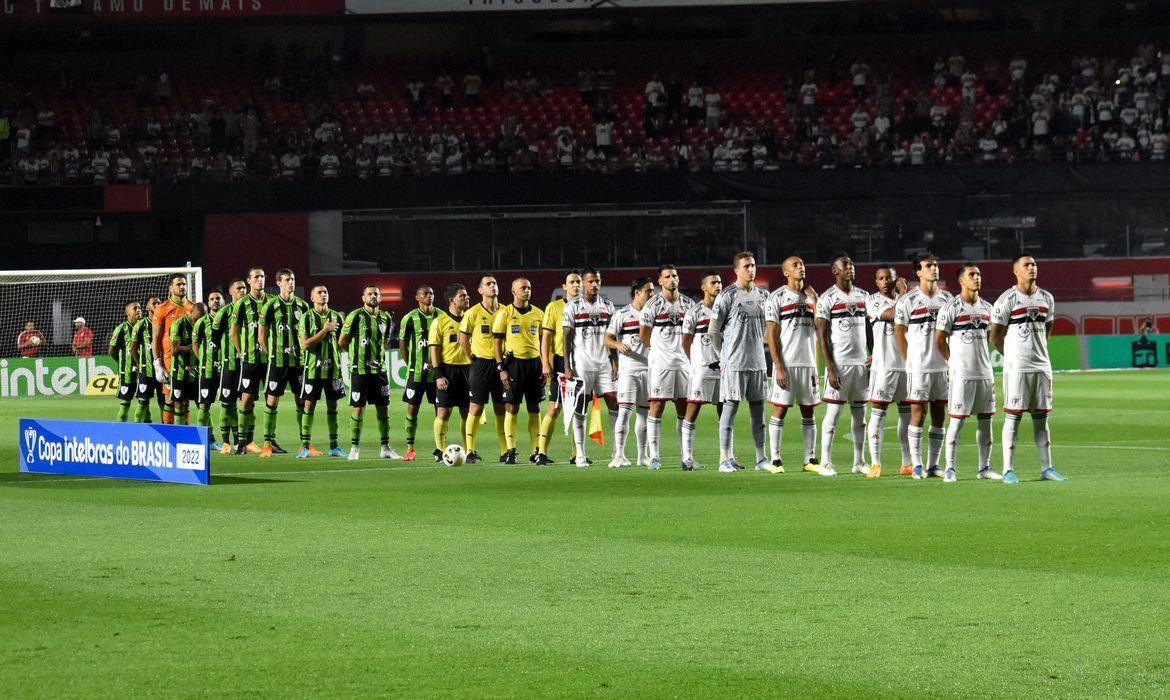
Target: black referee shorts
280	378
525	383
373	389
252	377
484	382
554	389
457	394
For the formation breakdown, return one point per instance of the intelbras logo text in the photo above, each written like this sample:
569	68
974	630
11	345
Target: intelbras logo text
67	376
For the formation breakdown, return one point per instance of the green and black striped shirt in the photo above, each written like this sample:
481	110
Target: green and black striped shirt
221	326
281	319
246	314
120	350
182	364
323	360
367	340
203	335
412	344
143	334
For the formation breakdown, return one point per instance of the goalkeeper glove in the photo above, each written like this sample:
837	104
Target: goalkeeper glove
160	373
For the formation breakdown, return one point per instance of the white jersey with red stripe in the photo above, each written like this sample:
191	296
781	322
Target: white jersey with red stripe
1026	316
793	312
966	325
917	311
886	357
845	312
625	327
588	321
664	318
704	346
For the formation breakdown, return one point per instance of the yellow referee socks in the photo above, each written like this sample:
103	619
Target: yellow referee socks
534	431
510	431
502	433
470	428
546	428
440	433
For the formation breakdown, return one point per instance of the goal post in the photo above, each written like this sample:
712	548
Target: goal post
53	299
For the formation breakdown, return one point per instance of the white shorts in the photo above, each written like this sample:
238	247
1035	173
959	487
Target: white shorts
668	384
926	386
887	387
597	381
745	385
631	388
854	385
704	388
801	391
1027	391
971	396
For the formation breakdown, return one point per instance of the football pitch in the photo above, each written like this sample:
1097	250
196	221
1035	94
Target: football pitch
325	577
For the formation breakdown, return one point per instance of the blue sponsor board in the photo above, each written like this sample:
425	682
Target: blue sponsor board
149	452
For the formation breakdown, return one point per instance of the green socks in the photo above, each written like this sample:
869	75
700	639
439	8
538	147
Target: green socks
384	429
411	428
331	421
356	434
269	424
123	412
306	427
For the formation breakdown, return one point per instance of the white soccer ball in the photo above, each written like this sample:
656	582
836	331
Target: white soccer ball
35	340
454	455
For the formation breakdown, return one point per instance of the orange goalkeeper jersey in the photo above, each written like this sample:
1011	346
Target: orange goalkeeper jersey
166	313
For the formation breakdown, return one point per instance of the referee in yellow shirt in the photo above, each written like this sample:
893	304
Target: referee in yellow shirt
517	347
552	355
451	367
475	336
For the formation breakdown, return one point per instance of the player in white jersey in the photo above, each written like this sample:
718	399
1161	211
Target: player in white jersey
587	358
961	334
743	374
1020	325
669	374
887	371
702	347
926	370
792	341
624	336
845	342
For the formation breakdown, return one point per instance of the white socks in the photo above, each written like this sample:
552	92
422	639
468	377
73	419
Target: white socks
953	430
903	435
579	434
808	429
620	430
653	435
857	411
877	418
727	429
688	440
936	436
1043	443
1011	426
914	434
756	414
983	439
829	432
775	435
641	417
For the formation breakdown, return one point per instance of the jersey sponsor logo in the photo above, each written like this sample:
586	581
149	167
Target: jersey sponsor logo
515	329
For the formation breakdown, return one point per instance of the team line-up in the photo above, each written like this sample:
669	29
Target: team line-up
921	349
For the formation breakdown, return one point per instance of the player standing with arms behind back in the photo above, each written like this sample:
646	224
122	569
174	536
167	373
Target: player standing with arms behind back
253	361
516	329
926	370
587	358
668	377
475	335
624	336
229	370
420	376
209	364
552	355
363	336
790	316
702	346
844	335
887	372
961	333
1021	323
451	365
738	318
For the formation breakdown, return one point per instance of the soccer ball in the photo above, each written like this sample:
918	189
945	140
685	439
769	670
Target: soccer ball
454	455
35	340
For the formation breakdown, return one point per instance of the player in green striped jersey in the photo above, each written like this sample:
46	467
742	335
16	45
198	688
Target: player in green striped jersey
127	367
140	349
278	339
363	336
229	370
209	363
318	332
253	363
184	363
420	376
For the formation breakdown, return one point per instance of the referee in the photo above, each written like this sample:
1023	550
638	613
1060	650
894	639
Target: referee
517	348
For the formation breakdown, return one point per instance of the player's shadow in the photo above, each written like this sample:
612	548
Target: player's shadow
19	479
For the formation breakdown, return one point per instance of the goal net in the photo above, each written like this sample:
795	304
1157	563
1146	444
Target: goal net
53	299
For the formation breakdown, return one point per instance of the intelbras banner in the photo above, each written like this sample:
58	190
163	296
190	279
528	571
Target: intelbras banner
148	452
380	7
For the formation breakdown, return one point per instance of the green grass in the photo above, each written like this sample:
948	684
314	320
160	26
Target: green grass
327	577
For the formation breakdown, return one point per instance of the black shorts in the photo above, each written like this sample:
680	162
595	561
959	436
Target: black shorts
554	389
280	378
252	377
229	387
457	394
127	388
415	392
183	389
373	389
483	381
312	389
525	383
207	389
148	386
